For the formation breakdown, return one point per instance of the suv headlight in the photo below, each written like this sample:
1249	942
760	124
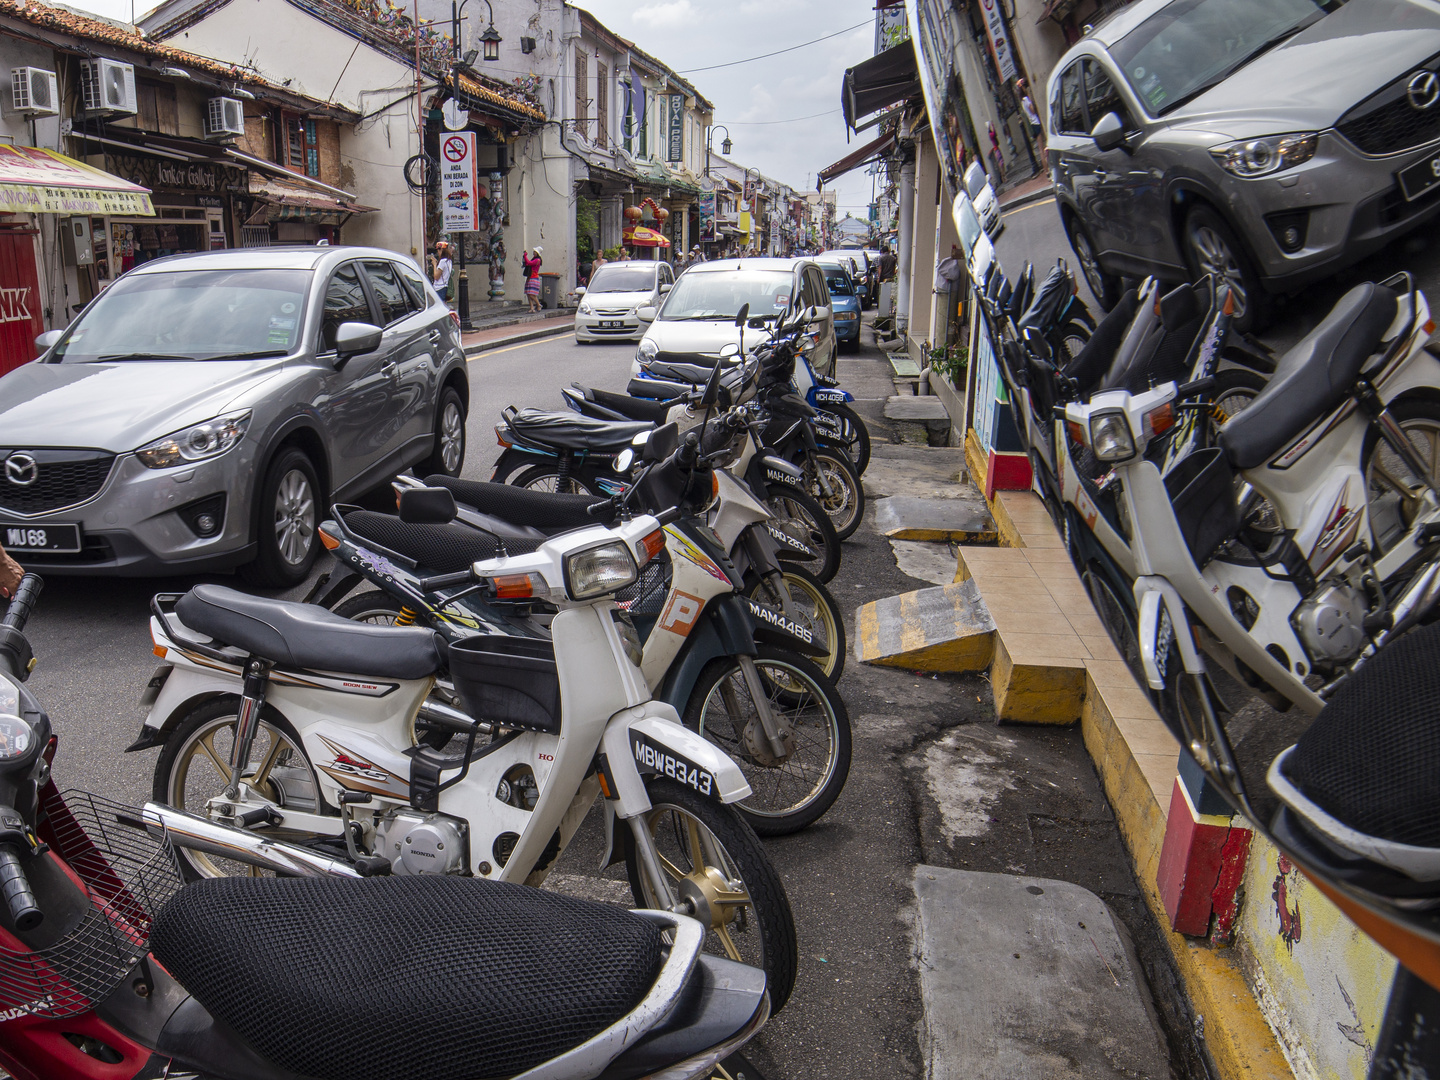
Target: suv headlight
1261	157
600	570
648	350
1110	437
207	440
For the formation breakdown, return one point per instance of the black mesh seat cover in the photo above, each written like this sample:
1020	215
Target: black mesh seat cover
307	635
439	978
1312	378
572	431
443	549
549	511
1372	756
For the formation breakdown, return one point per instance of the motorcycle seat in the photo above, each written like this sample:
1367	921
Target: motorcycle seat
548	511
441	549
439	977
308	636
631	408
679	371
1048	302
1312	378
568	431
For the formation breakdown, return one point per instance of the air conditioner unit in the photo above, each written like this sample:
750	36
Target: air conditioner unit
225	117
34	92
108	86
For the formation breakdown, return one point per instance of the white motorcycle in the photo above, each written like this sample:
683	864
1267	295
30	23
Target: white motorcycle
297	723
1309	538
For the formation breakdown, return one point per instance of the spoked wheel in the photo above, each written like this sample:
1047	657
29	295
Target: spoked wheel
374	607
1072	337
798	514
547	478
1396	495
810	604
845	504
1116	618
717	868
194	767
855	434
789	792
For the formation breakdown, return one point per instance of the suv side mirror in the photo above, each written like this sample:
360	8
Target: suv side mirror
579	290
354	338
665	288
46	341
1109	132
645	313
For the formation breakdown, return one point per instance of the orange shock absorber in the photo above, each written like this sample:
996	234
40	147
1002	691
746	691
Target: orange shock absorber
405	618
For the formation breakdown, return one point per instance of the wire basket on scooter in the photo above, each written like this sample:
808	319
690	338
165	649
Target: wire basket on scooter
129	876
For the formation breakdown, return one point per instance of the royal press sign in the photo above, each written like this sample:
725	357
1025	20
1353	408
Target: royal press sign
459	188
999	39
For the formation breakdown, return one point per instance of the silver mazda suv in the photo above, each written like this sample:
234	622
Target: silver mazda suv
1268	142
202	411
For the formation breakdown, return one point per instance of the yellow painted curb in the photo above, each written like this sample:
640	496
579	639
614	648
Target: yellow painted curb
1035	693
958	536
939	629
1236	1033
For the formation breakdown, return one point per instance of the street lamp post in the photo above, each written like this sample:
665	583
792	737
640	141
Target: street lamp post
725	143
490	39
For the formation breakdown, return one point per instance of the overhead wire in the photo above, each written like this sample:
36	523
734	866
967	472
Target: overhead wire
777	52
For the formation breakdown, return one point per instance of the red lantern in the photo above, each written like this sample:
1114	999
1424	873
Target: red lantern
662	215
634	213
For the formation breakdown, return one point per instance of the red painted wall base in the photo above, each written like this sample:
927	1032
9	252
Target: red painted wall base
1006	472
1201	865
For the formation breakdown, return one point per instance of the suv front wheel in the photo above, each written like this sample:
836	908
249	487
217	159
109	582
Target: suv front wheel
1211	248
287	516
1104	285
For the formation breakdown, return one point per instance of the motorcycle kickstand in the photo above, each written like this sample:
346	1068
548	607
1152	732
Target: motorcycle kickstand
650	862
762	706
247	721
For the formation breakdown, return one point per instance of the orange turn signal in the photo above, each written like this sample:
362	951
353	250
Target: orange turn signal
513	587
654	544
1077	432
1162	419
330	542
160	651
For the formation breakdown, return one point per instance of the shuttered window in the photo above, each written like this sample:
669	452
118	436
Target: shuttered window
582	98
602	106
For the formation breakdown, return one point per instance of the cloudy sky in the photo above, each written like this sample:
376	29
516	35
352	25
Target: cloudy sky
758	102
749	98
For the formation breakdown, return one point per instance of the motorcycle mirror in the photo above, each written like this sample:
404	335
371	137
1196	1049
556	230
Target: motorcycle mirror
1036	343
624	460
742	315
727	351
712	388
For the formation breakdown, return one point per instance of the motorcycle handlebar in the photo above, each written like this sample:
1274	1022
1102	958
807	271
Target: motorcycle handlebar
24	913
23	602
1199	386
444	581
689	451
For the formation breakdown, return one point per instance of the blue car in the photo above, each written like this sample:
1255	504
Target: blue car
844	304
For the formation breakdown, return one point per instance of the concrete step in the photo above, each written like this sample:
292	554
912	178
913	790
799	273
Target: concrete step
903	366
942	629
909	407
902	517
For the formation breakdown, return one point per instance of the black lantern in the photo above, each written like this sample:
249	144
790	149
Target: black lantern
726	145
490	40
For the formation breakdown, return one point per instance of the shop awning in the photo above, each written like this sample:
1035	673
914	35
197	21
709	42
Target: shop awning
288	203
880	82
866	154
1057	10
640	236
38	181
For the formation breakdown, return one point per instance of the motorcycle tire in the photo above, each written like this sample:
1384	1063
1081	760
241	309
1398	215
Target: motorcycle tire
800	693
818	610
1392	512
547	478
859	450
765	925
798	511
845	506
1069	340
193	740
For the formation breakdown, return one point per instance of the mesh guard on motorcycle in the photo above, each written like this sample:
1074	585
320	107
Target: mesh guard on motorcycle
436	977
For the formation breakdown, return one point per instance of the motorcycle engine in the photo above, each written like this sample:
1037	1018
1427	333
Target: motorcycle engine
417	843
1331	623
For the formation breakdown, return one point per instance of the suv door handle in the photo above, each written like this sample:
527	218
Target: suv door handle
389	369
434	336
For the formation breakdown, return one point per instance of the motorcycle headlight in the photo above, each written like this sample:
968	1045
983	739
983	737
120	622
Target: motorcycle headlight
600	570
1261	157
198	443
648	350
1110	436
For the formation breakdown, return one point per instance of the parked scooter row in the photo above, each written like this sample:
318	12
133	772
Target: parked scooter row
109	967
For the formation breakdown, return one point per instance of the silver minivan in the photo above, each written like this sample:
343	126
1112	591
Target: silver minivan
616	290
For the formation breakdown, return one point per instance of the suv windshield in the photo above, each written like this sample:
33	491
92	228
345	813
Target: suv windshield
838	281
1191	45
720	294
623	277
191	315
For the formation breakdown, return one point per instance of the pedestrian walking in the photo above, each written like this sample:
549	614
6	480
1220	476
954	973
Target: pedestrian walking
1032	117
995	157
531	262
441	268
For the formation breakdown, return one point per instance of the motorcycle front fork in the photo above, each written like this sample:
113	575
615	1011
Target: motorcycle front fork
247	721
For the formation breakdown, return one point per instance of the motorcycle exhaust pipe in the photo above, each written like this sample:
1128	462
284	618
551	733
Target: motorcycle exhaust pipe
228	842
447	717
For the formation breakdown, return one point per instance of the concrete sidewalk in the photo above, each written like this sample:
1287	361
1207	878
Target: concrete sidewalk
476	342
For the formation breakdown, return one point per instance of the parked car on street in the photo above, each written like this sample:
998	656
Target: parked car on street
697	318
608	304
1267	142
863	268
845	295
982	195
204	411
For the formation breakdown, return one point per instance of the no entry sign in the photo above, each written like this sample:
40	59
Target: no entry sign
459	192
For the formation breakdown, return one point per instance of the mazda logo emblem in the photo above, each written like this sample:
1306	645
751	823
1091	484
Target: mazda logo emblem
1424	90
21	470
